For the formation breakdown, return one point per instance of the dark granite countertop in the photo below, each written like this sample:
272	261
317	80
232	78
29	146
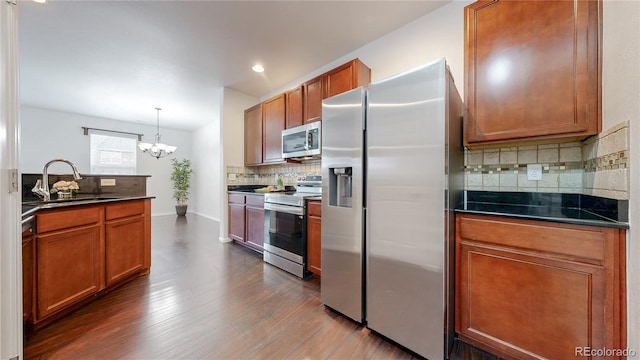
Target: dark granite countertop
30	207
250	189
577	209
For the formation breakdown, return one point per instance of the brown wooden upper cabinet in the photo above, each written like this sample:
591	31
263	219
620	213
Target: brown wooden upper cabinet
263	123
253	135
338	80
274	121
312	99
294	105
347	77
532	70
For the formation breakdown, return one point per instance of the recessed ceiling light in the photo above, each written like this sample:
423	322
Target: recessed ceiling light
40	1
257	68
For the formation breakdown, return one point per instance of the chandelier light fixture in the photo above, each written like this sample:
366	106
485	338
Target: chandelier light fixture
157	149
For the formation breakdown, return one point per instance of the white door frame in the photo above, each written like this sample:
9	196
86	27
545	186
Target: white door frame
10	195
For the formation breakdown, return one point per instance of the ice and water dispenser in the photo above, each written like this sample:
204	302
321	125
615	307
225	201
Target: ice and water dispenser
340	187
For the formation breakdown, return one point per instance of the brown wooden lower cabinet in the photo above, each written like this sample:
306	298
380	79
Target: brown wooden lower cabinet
246	220
532	290
236	217
254	211
314	237
69	268
28	255
125	246
75	261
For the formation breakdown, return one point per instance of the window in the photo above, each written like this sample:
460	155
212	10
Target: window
112	154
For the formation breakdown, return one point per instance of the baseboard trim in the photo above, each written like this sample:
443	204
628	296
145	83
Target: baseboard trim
206	216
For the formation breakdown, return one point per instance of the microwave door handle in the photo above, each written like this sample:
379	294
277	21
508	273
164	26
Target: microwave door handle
308	137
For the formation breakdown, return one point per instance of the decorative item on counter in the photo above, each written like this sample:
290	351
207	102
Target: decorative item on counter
181	175
280	184
65	189
266	189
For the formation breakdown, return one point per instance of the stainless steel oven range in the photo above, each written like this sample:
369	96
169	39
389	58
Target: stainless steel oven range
285	226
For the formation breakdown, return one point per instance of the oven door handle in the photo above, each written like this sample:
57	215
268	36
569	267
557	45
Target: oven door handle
285	209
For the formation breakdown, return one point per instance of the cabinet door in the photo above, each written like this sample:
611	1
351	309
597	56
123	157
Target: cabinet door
28	264
347	77
124	248
312	99
274	122
236	221
532	70
314	244
69	268
294	108
558	302
255	227
253	135
560	283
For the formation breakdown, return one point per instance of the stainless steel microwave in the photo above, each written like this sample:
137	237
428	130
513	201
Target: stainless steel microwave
302	142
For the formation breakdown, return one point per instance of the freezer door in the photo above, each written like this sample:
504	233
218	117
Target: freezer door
406	215
342	199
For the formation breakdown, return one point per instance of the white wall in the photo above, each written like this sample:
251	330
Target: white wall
621	102
433	36
233	125
234	104
206	165
48	134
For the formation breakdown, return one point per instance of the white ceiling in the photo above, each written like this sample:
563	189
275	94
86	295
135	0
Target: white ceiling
121	59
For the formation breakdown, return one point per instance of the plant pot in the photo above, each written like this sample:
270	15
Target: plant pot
181	210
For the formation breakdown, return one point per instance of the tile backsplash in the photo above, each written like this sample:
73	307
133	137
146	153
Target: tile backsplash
505	169
266	175
606	163
596	166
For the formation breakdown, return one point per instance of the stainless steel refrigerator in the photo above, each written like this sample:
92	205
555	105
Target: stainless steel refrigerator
392	172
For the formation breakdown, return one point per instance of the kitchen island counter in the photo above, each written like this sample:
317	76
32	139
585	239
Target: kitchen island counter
76	250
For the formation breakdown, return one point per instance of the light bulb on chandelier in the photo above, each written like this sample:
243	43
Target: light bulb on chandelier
157	149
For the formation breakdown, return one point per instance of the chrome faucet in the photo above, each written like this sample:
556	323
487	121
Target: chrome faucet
41	187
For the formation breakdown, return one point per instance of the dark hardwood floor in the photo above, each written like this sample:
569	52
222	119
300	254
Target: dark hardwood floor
208	300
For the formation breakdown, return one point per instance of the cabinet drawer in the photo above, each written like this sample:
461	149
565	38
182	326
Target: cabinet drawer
255	200
236	199
62	219
572	242
124	208
315	208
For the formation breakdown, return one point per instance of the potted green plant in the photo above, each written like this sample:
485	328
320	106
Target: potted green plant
181	176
